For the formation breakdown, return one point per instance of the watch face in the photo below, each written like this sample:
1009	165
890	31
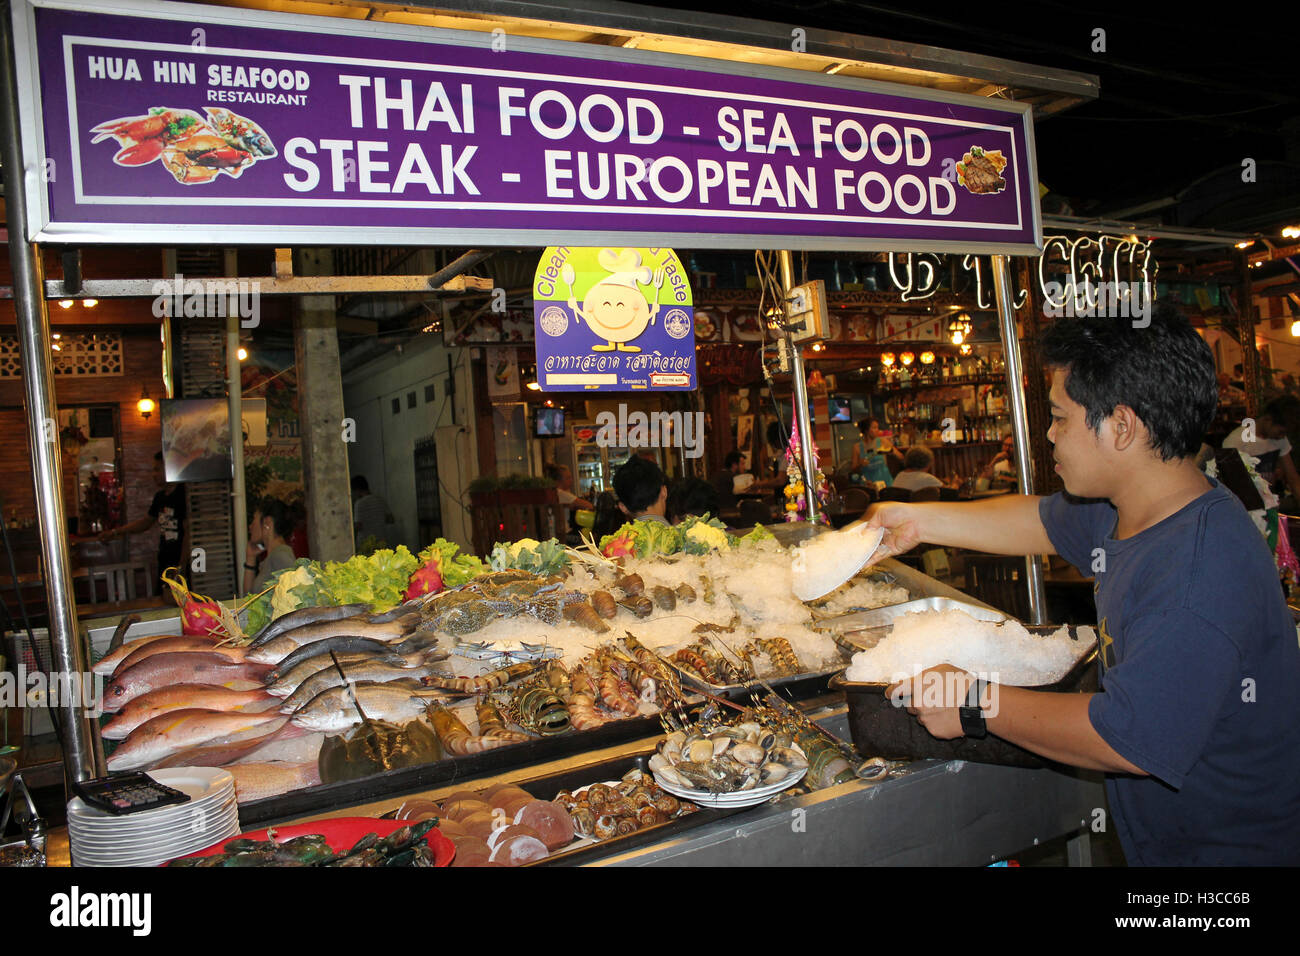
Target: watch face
972	722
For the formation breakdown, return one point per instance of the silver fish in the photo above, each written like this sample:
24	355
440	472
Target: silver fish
375	670
294	677
277	649
305	615
333	711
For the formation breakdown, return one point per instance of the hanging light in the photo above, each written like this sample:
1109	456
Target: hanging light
965	348
90	303
959	327
242	353
887	359
534	386
1291	232
145	405
65	303
907	358
56	345
927	357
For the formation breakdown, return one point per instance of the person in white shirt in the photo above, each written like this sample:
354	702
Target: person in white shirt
1271	446
916	470
563	478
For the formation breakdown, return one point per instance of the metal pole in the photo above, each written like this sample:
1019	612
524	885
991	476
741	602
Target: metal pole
800	399
1019	420
42	428
234	390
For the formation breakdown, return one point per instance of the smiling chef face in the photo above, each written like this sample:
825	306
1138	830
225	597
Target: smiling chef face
615	309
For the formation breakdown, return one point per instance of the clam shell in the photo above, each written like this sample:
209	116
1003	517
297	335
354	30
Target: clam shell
747	753
699	751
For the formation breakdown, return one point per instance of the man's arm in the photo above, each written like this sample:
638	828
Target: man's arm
1055	726
134	527
1008	525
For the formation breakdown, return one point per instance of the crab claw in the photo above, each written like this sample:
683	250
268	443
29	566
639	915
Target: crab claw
139	154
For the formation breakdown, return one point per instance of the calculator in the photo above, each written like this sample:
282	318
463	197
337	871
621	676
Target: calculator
122	793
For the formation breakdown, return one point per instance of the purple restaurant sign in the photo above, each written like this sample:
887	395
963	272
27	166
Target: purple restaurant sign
248	126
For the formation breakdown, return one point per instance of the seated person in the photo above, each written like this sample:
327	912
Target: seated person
1270	444
642	490
693	496
724	482
1001	471
916	470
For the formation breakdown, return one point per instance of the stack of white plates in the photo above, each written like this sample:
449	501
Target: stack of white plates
740	798
152	837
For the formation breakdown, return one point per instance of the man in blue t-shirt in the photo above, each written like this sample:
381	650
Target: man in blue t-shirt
1197	723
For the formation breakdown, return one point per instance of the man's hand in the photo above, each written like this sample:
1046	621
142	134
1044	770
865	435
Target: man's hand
902	532
933	697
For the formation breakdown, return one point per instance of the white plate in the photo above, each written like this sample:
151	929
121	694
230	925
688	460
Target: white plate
155	857
203	784
146	822
825	562
199	840
741	798
202	823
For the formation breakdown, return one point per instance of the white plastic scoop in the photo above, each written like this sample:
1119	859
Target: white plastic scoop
828	560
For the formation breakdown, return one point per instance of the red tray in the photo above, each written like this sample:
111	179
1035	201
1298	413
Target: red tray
342	833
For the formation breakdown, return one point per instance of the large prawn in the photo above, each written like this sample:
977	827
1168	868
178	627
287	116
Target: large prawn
474	686
458	741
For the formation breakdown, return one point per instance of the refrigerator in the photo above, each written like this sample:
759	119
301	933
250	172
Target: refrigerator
594	464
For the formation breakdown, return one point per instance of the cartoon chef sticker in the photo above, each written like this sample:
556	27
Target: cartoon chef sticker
615	308
613	318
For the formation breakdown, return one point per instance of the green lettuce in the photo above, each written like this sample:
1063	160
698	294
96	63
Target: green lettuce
300	585
537	557
378	579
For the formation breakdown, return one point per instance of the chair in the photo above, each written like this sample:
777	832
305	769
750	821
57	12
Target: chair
857	498
119	581
926	494
895	494
998	580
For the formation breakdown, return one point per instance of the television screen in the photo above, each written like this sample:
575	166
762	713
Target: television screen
841	410
550	423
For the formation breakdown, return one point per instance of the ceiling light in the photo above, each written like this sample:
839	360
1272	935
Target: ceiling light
242	353
90	303
1291	232
534	386
65	303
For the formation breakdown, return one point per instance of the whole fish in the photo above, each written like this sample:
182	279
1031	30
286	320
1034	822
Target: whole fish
277	649
183	667
224	752
181	729
291	681
108	663
376	671
183	697
360	646
175	644
305	615
333	711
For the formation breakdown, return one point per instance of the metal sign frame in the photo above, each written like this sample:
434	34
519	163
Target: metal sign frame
1018	115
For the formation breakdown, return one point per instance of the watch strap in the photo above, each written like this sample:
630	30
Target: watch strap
972	715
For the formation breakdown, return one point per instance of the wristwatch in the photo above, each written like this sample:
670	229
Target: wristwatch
972	717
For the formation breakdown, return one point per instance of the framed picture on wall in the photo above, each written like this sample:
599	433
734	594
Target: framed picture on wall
196	439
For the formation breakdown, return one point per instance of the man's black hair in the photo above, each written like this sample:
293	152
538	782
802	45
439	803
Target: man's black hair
278	512
638	483
1283	410
777	437
693	496
733	458
359	483
1164	372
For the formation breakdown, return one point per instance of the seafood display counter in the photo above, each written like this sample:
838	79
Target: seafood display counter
659	707
928	813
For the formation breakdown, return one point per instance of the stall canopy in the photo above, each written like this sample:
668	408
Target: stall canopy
595	123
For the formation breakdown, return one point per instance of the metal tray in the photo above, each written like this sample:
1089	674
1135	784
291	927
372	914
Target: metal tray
879	728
